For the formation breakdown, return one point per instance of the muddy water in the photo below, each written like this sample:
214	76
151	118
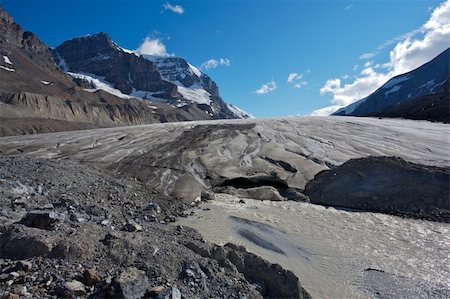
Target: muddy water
335	253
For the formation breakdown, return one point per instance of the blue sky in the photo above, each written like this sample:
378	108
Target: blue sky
260	42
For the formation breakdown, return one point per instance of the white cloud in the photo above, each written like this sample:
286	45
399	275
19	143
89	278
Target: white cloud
213	63
266	88
411	51
348	7
368	63
174	8
325	111
300	84
292	77
366	56
296	79
153	47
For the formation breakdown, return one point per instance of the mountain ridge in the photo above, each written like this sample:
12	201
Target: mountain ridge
33	87
161	79
428	79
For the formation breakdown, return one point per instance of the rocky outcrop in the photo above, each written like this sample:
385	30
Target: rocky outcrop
169	80
432	107
97	54
387	185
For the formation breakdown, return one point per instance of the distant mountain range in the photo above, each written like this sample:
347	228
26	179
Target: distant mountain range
91	82
421	94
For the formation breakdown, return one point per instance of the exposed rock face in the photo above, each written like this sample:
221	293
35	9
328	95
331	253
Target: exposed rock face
407	95
98	55
432	107
385	184
168	80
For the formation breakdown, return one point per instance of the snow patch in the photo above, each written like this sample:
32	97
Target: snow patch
195	70
143	94
195	94
7	68
395	81
350	108
126	50
7	60
100	83
433	88
392	90
62	63
239	112
46	82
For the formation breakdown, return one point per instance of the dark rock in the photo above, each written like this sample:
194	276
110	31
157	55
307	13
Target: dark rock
23	266
242	201
387	185
131	283
66	249
170	293
207	195
153	208
42	220
78	217
90	277
73	289
132	226
154	291
110	237
199	248
170	218
21	243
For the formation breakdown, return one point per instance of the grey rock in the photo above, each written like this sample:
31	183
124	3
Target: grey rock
153	208
130	284
170	218
170	293
90	277
154	291
132	226
73	288
23	266
42	220
207	195
22	242
384	184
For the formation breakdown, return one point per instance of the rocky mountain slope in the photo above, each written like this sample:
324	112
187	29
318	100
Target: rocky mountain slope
36	96
420	94
169	80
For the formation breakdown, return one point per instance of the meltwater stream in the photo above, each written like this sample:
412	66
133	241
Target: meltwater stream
335	253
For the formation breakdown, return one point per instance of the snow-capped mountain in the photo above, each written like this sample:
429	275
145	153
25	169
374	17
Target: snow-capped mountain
429	79
169	80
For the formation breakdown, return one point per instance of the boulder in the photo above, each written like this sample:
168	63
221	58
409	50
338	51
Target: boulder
130	284
153	208
169	293
42	219
132	226
73	289
90	277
